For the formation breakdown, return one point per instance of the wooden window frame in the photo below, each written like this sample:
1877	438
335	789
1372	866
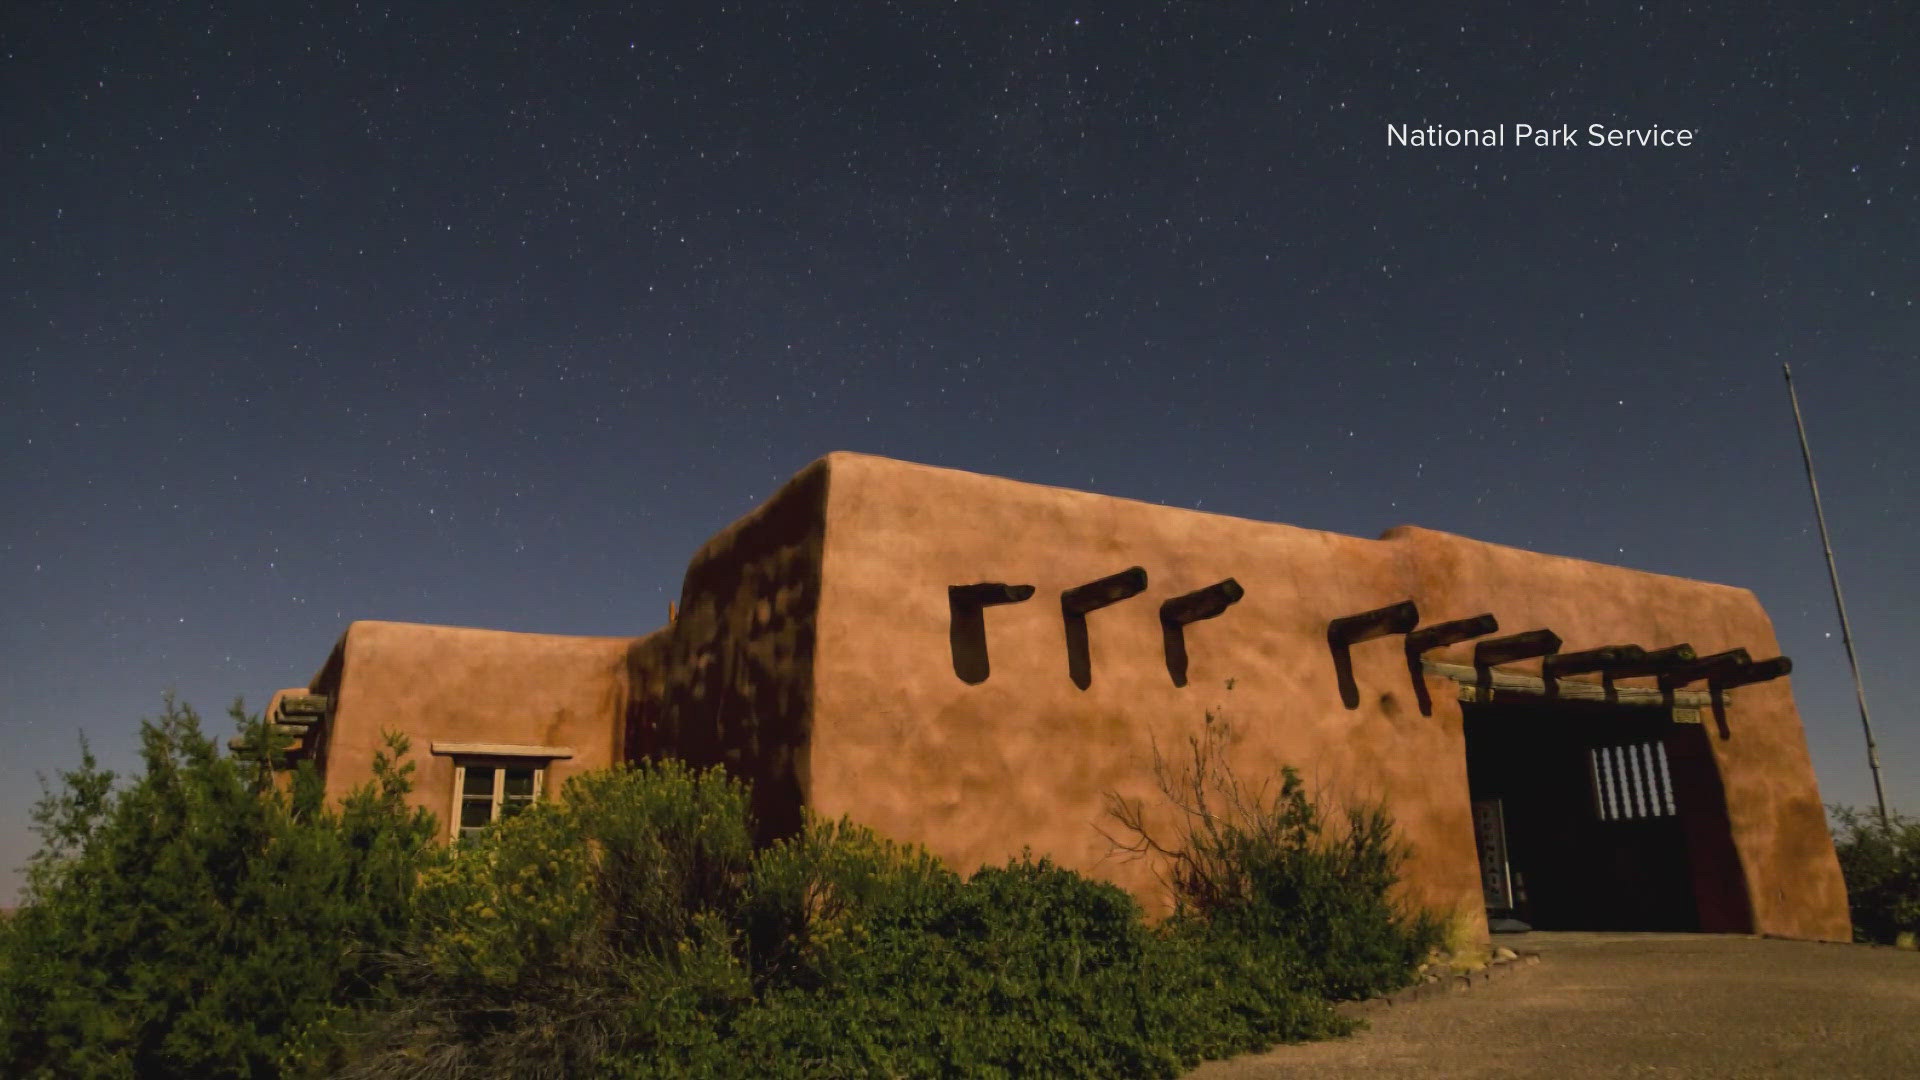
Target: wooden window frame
500	757
498	799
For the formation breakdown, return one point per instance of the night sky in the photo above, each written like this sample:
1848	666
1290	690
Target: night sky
489	314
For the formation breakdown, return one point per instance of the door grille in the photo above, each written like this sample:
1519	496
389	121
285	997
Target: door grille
1631	782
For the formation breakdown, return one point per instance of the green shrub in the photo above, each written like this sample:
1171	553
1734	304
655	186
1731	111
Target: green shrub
200	922
629	929
1881	864
1268	866
833	883
1325	899
575	929
1023	970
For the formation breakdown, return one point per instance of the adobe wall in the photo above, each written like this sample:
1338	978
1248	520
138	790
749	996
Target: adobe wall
1779	826
730	680
1026	758
452	684
812	655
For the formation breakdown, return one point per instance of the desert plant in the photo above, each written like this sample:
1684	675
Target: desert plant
630	930
829	884
1881	864
579	928
203	921
200	920
1022	970
1270	866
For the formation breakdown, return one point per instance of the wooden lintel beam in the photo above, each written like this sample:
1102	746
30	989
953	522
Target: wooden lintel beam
1515	684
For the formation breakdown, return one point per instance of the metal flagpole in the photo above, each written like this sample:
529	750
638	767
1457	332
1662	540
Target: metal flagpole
1833	574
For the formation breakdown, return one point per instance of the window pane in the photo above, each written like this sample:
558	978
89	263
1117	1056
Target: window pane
520	783
479	781
475	812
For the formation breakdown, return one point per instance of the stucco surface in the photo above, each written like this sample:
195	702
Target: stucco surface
453	684
814	654
1773	798
730	681
1026	758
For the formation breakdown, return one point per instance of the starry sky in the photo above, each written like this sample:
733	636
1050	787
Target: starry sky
489	314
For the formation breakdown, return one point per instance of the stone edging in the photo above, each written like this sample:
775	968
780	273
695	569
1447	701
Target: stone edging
1436	986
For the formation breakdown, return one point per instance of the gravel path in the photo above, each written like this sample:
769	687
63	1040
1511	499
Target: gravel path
1661	1005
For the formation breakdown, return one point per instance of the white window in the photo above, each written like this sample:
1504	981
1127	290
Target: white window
486	791
495	780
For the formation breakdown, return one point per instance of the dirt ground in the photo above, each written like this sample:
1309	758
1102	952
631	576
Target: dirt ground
1641	1005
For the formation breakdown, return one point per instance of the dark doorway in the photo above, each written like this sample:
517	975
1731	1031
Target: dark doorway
1607	817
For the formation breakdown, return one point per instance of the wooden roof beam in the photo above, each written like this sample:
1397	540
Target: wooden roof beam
1349	630
1575	663
1704	668
1433	637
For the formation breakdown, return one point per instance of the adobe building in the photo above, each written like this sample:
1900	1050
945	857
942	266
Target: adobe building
980	665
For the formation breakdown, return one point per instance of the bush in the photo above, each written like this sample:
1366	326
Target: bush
201	922
576	929
1022	970
833	883
629	929
1881	864
1266	866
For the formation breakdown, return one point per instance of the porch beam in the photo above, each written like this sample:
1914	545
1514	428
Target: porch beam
1514	683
